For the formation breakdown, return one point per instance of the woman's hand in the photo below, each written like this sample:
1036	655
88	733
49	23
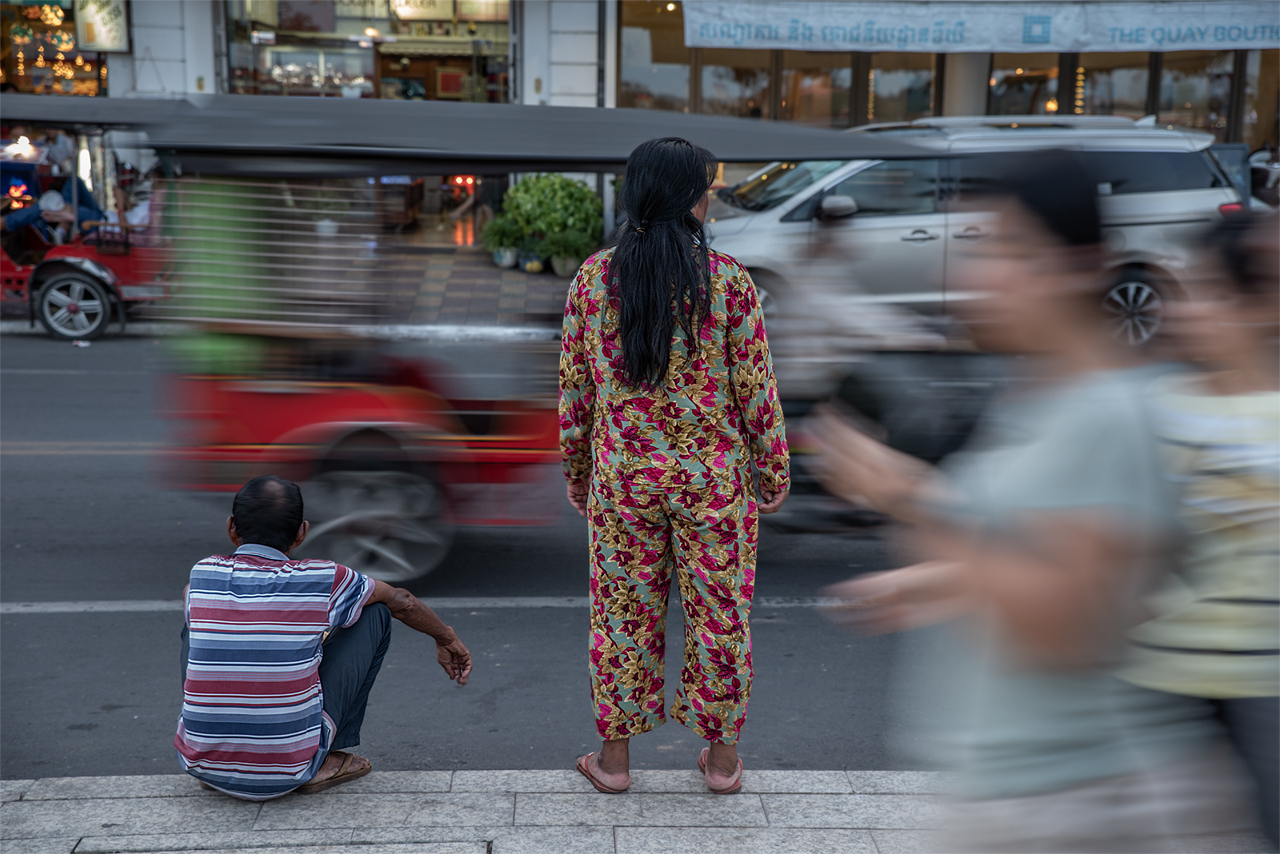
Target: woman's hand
857	468
771	502
920	595
578	491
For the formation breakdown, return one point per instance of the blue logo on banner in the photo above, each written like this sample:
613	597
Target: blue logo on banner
1035	29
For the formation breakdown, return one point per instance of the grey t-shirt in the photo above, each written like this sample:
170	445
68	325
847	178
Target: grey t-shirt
1020	728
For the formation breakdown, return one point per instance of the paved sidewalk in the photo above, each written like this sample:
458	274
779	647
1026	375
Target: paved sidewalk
480	812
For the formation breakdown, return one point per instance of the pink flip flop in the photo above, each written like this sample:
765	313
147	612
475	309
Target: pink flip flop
584	768
735	782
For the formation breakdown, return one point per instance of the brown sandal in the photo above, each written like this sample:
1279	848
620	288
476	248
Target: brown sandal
344	775
735	782
584	768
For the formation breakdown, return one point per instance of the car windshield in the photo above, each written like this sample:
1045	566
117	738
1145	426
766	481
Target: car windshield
776	183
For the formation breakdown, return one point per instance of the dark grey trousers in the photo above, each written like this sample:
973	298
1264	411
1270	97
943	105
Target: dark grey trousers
352	659
1253	726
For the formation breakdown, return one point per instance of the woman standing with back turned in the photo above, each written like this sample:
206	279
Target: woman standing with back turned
667	397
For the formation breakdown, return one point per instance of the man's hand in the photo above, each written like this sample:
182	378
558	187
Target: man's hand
857	468
455	659
65	215
771	502
578	491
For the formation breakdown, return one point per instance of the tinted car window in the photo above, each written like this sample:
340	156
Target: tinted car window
1117	172
1152	171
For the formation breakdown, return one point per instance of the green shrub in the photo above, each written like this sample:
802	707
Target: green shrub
571	244
550	204
502	232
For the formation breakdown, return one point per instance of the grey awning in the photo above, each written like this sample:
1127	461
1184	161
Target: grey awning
268	135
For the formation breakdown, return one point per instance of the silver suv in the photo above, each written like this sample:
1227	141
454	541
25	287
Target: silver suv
902	223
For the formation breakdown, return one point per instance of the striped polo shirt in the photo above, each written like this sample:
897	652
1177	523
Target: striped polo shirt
252	722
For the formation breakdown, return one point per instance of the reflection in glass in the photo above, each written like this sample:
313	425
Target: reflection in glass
1261	82
736	83
900	87
653	62
1111	84
1023	84
1195	90
816	87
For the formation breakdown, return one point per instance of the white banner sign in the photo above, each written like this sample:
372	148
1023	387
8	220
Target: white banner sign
102	25
950	26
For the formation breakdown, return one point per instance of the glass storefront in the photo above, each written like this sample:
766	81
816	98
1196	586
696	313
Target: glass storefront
1023	84
653	61
1110	84
398	49
736	83
39	54
816	88
1261	125
1195	90
900	87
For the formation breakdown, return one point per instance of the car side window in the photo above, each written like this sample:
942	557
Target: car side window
1124	172
893	187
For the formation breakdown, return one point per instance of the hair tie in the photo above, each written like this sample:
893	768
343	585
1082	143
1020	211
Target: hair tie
644	224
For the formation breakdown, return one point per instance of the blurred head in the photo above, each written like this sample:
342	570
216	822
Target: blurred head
659	270
1040	268
1233	301
268	511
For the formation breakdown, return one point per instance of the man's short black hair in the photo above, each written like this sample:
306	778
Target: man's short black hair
268	511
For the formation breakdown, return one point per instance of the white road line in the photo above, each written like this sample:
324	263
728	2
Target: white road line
444	603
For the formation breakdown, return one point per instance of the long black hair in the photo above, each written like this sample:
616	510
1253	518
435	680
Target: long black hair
660	272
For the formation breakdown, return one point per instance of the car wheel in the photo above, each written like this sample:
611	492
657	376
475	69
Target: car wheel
74	306
1134	308
389	525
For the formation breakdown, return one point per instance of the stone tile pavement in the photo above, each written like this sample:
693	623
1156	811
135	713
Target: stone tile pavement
480	812
463	286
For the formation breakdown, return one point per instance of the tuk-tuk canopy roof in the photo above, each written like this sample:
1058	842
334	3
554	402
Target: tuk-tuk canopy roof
272	135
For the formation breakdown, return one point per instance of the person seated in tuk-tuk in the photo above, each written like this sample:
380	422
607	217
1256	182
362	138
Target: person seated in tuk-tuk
45	215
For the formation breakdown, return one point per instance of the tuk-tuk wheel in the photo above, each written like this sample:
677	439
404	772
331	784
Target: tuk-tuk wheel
73	305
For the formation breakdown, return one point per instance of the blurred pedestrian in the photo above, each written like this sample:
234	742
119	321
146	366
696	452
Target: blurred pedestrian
668	407
279	655
1040	536
1218	631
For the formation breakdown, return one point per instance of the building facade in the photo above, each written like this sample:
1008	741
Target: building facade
1209	66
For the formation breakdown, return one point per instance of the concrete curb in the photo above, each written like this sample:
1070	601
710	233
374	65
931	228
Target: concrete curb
482	812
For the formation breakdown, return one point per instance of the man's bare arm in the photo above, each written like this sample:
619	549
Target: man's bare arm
453	656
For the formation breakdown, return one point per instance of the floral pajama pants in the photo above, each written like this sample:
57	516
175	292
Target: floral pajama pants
706	536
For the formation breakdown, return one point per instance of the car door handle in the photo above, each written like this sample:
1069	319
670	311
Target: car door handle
920	236
970	233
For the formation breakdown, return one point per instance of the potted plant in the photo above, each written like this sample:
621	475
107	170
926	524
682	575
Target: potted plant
568	249
546	207
501	237
532	254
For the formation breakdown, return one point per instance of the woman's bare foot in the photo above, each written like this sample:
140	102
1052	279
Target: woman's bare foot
612	764
722	765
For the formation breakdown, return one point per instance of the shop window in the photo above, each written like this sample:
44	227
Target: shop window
1261	85
1023	84
1110	84
39	54
653	70
399	49
1195	90
816	88
736	83
900	87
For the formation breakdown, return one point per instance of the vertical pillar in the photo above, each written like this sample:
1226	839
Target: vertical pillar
965	88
